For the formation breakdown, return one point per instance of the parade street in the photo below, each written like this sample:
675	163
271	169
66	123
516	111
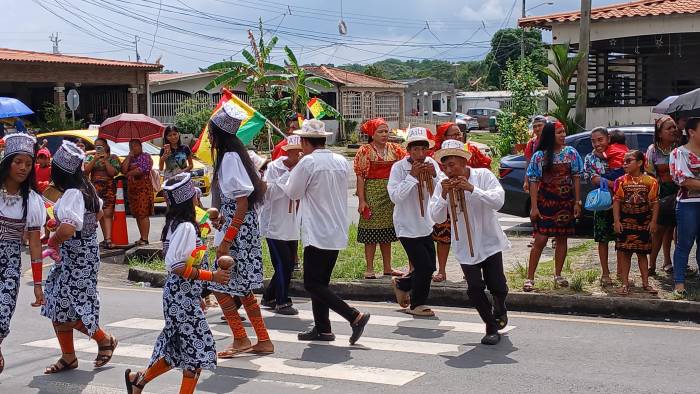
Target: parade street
397	354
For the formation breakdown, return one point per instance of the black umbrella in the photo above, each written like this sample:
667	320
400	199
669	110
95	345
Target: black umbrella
687	104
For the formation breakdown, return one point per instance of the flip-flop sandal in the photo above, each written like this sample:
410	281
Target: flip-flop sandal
261	352
102	359
623	291
231	352
403	298
394	273
668	268
420	310
130	384
528	286
650	289
370	276
439	278
605	281
60	366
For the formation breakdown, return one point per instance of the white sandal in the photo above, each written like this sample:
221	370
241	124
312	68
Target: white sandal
529	285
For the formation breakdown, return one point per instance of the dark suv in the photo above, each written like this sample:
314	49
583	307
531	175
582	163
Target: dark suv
512	170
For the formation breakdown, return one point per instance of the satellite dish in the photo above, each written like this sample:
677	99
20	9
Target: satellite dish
342	28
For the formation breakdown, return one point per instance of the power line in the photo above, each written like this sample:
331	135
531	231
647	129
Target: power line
155	32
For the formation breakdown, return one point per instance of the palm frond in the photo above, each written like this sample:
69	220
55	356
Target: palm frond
249	57
226	79
225	66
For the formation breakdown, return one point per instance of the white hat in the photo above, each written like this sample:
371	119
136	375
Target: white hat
293	142
69	157
452	148
258	161
416	134
312	128
18	143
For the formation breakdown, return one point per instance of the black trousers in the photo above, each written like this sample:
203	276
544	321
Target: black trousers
282	256
318	266
421	253
488	273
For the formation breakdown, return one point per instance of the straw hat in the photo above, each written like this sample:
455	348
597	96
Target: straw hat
452	148
312	128
258	161
416	134
293	142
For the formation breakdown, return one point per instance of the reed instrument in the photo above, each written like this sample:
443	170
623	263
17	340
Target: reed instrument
425	180
456	196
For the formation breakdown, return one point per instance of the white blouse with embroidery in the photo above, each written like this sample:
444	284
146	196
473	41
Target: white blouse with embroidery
233	178
11	208
181	243
70	208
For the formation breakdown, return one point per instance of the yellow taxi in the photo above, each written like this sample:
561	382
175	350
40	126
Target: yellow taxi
201	176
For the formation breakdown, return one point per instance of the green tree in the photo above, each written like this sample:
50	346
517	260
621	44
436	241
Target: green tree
375	71
299	85
520	79
505	45
191	115
562	69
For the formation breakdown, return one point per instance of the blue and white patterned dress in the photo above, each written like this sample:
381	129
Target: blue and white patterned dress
12	226
71	287
246	249
186	341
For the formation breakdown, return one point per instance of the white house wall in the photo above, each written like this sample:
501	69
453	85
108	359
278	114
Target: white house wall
618	116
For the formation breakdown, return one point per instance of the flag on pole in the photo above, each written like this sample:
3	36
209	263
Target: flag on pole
251	122
316	107
300	119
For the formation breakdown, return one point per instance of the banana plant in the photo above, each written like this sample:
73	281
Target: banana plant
299	85
562	70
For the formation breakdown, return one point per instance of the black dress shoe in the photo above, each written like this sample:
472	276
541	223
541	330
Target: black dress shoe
314	335
491	339
358	328
269	303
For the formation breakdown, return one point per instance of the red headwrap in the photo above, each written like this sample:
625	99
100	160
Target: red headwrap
559	125
371	126
441	131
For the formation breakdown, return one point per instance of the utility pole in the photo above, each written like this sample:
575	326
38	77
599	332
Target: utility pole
54	39
584	46
522	36
136	43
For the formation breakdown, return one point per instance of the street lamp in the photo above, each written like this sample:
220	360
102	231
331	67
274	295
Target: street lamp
524	14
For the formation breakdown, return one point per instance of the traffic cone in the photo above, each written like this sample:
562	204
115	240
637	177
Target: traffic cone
120	237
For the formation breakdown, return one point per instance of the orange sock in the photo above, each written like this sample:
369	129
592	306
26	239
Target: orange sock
228	307
65	340
99	335
188	384
158	368
79	326
250	303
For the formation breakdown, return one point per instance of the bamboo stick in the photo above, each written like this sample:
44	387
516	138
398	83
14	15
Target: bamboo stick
453	213
421	197
463	206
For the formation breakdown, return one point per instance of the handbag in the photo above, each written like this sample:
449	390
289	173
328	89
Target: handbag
155	180
599	199
667	205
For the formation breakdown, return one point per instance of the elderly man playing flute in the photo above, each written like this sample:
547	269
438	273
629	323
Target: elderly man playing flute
411	182
473	196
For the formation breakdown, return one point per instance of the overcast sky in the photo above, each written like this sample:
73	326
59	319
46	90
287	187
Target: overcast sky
187	34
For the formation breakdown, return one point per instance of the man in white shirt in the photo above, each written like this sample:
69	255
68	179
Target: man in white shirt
482	266
410	182
279	224
320	182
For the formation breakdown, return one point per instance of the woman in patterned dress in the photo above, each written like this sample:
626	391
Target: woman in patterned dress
372	165
555	192
21	209
186	341
139	189
636	211
442	233
658	155
72	299
241	189
101	167
595	169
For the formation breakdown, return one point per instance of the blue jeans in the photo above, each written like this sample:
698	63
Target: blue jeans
688	227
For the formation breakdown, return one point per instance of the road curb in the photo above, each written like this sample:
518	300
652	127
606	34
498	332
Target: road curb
456	295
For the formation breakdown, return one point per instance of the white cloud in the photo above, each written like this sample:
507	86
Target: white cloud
477	10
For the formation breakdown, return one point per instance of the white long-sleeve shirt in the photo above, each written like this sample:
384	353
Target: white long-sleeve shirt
482	204
403	192
320	181
276	222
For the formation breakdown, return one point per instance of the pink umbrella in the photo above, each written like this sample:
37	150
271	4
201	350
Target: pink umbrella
127	127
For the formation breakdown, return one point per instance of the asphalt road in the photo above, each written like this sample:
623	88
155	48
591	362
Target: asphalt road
397	354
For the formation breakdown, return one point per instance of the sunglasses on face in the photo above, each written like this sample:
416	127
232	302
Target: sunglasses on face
628	161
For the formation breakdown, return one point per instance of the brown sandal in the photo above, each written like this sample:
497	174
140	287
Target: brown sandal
60	366
650	289
102	359
623	291
233	352
130	384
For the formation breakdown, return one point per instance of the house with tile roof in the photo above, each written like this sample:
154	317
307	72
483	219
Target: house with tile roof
37	77
641	52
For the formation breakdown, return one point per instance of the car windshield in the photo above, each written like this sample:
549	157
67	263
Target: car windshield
122	148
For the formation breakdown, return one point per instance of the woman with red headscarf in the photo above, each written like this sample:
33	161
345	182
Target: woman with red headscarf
442	231
372	166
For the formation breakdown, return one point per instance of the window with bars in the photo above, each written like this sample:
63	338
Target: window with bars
352	105
387	105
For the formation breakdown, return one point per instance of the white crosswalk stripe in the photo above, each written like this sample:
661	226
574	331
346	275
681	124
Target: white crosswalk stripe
342	371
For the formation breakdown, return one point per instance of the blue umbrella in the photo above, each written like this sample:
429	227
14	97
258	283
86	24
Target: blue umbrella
11	107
